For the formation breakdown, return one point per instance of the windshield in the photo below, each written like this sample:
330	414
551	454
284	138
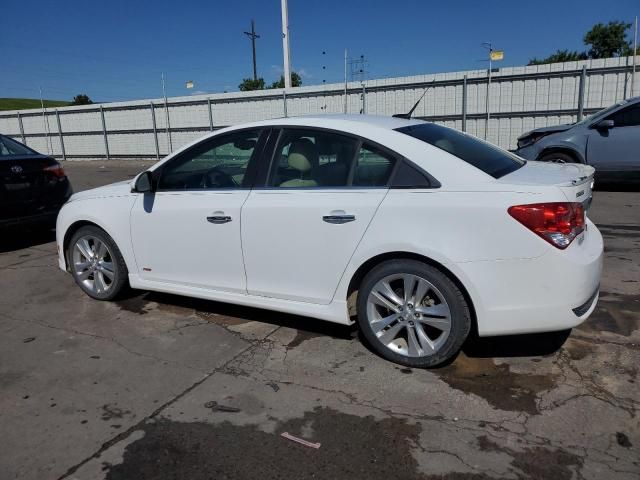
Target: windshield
602	113
488	158
9	147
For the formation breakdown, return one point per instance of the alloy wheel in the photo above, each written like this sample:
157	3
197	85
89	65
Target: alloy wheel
93	264
409	315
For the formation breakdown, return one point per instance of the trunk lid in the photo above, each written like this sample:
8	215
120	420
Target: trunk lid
574	179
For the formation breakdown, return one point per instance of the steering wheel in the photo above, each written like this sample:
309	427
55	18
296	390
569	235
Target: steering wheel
217	178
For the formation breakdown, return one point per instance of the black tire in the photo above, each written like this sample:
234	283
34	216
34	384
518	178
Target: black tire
120	281
459	312
558	157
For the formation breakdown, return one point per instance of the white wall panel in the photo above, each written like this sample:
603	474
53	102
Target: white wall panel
537	88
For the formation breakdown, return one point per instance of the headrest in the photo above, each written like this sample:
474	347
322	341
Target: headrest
303	155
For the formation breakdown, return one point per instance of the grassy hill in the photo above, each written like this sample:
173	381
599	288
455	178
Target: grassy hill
29	103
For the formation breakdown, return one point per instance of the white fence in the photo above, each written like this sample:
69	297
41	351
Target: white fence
520	98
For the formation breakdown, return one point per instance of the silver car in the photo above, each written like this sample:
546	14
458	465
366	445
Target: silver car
608	140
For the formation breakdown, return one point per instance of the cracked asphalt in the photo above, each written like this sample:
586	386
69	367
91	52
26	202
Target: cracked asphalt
164	387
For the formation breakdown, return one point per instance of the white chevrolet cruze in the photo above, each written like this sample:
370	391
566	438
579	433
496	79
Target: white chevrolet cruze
418	231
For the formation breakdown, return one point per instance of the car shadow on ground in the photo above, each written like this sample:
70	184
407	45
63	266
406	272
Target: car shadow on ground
527	345
18	239
227	314
602	186
524	345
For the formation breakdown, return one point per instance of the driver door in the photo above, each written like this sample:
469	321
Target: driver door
188	231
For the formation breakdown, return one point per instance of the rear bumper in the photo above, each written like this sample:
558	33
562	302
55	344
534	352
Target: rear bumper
45	210
46	217
556	291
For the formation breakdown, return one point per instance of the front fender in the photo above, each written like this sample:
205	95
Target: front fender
113	218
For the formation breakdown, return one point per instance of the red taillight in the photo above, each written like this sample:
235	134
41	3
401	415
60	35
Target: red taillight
558	223
56	170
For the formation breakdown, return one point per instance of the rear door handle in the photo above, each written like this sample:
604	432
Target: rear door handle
218	218
339	218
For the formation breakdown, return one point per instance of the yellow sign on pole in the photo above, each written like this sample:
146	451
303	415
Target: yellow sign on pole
497	55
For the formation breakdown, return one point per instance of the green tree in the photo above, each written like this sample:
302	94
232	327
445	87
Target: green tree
608	40
249	84
559	56
296	81
81	99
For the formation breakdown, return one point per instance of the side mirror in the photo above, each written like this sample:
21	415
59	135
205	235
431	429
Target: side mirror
605	124
144	183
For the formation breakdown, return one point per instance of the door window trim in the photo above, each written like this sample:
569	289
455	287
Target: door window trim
252	166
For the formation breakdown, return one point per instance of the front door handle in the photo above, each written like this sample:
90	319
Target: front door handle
339	218
218	218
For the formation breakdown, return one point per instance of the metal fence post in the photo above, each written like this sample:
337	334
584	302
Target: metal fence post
24	140
284	100
464	103
583	80
364	100
166	110
210	115
155	130
64	153
104	132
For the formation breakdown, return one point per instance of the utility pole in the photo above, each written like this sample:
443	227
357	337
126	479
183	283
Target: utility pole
285	45
253	35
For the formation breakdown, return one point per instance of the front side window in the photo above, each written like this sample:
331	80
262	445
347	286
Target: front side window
309	158
627	117
220	162
490	159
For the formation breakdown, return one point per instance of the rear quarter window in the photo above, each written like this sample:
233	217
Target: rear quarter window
490	159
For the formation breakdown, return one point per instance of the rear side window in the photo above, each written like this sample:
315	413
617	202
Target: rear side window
373	167
312	159
10	147
490	159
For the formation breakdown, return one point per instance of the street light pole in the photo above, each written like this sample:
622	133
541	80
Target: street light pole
285	45
253	35
345	80
634	53
166	111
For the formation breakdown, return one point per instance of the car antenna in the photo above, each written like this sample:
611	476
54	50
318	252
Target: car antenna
407	116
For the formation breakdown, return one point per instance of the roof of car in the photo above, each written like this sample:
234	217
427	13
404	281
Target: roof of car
390	123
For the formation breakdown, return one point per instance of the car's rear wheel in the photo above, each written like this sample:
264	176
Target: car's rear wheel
97	264
557	157
412	314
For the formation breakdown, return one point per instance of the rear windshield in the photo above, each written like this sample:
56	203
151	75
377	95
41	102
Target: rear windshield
491	160
9	147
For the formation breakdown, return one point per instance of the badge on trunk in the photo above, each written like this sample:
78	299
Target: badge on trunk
16	169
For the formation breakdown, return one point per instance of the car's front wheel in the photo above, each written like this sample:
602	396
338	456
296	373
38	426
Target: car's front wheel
412	314
97	264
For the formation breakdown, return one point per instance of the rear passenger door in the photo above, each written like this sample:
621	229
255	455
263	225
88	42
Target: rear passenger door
301	228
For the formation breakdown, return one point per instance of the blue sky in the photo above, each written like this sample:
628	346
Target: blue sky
116	49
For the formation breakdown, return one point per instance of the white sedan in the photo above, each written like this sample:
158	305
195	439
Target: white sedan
418	232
